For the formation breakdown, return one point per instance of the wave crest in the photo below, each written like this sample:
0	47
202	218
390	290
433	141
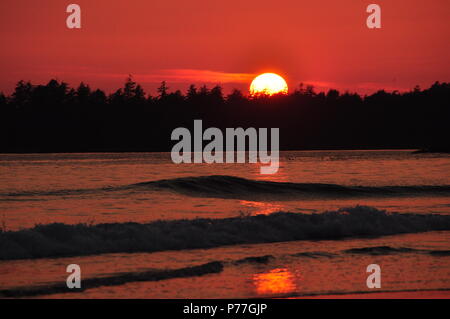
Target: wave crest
115	280
61	240
230	187
223	186
380	250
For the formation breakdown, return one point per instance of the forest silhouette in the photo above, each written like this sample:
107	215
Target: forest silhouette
57	118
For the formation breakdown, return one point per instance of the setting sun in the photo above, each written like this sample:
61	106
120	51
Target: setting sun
269	84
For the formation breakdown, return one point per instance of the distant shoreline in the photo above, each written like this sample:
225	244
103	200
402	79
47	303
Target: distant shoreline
412	150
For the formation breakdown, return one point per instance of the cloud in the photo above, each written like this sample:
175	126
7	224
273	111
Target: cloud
195	76
154	76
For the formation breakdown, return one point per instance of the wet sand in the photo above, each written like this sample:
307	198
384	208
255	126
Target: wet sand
432	294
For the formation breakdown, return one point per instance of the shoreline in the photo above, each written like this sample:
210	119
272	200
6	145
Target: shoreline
115	151
418	294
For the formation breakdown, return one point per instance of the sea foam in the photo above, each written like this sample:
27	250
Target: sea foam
62	240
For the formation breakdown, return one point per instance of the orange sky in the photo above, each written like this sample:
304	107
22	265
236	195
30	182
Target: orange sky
323	42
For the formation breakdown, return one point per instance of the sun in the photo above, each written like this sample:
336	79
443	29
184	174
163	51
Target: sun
268	84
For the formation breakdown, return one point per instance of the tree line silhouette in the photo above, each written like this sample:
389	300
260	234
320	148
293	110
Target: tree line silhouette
57	118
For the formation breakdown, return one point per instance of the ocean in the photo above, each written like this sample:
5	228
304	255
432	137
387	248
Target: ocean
140	226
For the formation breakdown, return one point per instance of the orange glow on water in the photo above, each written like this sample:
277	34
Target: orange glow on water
261	208
276	281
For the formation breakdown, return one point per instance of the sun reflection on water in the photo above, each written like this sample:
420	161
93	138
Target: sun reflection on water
275	282
261	208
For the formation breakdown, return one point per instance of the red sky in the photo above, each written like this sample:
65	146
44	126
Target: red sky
322	42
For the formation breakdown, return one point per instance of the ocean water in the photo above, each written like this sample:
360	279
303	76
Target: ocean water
142	227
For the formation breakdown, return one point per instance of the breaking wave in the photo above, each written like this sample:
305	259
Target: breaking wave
115	280
380	250
314	254
223	186
255	260
440	253
387	250
62	240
